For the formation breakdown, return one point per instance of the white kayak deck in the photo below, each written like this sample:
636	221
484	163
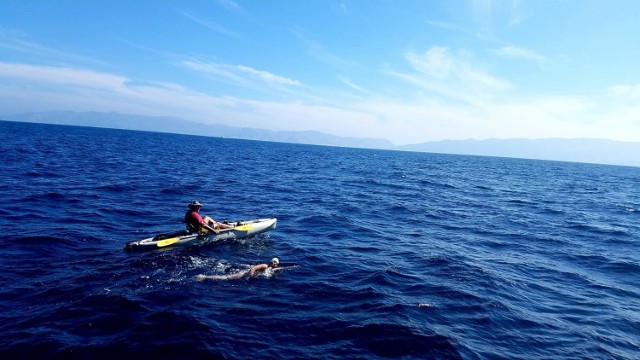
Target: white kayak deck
241	230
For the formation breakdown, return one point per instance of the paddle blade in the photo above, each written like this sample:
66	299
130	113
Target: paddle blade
167	242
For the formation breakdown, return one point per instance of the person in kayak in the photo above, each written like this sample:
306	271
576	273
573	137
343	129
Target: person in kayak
260	268
195	222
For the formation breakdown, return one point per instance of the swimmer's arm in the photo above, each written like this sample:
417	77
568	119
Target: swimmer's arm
255	268
237	275
203	277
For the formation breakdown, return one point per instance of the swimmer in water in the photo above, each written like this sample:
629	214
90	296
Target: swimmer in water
260	268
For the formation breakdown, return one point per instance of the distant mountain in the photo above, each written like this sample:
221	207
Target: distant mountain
178	125
576	150
597	151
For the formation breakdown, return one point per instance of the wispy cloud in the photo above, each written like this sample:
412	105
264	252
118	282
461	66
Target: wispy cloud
352	85
520	53
483	13
516	13
230	5
17	41
319	51
211	25
61	76
428	118
625	90
267	76
341	7
214	69
447	26
489	15
240	74
81	89
453	76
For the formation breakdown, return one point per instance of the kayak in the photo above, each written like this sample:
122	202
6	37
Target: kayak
241	230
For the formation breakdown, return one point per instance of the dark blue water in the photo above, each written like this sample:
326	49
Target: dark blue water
402	255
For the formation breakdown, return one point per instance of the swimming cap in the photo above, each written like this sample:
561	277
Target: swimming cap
275	260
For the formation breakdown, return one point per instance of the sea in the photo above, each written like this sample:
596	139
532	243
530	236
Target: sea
401	255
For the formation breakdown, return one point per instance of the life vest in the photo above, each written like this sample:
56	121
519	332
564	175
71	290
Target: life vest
192	221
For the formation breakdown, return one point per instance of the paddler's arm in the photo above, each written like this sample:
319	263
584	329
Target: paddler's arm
210	228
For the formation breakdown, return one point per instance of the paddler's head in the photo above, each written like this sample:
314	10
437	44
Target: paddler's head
195	205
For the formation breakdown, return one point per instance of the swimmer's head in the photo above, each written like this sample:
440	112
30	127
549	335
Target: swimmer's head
274	262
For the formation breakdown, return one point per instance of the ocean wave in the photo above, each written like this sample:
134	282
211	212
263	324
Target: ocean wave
402	255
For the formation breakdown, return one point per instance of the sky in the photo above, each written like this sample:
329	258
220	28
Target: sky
406	71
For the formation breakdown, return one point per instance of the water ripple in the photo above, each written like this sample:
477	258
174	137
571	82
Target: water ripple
401	255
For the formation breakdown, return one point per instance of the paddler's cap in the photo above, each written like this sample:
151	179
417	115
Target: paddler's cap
195	203
276	261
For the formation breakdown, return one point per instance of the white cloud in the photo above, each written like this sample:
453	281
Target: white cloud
350	84
452	76
61	76
18	42
213	69
489	14
267	76
520	53
320	52
624	90
241	75
428	119
435	62
439	64
447	26
42	88
229	5
412	119
212	26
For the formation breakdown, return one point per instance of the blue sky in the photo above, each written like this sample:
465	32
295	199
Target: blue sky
406	71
